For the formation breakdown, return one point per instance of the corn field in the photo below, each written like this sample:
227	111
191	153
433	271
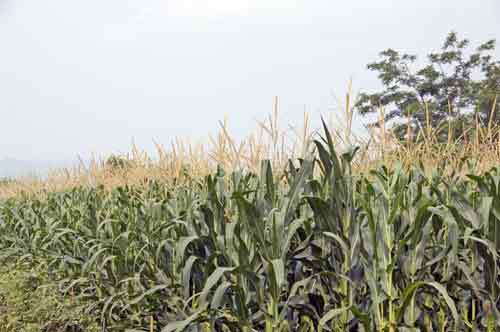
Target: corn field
321	248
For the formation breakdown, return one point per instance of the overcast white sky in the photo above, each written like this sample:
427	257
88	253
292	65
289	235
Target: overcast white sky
86	76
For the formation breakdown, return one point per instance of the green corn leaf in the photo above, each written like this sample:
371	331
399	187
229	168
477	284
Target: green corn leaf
147	293
331	315
211	281
410	290
219	295
180	326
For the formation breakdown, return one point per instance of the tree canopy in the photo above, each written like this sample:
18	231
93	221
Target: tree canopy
456	84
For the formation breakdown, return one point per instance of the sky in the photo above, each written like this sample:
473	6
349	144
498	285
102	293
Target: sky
83	77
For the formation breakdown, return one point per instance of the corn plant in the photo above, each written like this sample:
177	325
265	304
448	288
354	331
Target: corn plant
313	247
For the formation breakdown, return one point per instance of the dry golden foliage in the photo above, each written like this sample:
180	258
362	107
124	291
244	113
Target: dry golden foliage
478	149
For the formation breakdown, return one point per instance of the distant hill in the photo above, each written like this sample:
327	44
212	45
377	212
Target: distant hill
14	168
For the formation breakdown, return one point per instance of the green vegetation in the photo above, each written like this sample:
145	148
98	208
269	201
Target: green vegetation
402	234
5	181
456	85
30	302
118	162
321	249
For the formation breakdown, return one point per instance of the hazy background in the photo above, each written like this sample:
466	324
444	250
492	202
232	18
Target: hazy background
82	77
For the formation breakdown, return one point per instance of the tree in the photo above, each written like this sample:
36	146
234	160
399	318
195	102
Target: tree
454	85
117	162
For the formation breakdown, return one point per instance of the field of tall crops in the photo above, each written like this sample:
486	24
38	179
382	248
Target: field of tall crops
316	247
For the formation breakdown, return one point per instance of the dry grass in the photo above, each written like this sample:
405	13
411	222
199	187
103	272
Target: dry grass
476	150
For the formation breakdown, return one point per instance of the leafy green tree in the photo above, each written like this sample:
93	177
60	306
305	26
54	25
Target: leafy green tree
454	84
118	162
